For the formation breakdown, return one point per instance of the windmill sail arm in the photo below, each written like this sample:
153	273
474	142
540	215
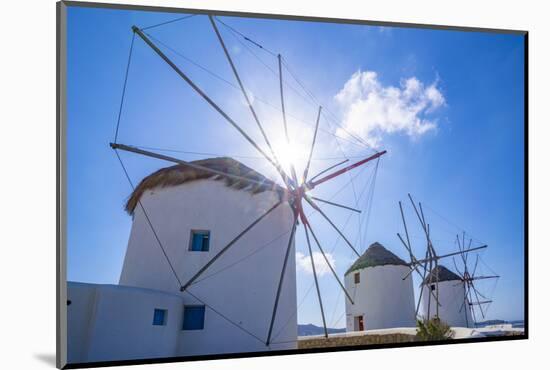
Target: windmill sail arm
279	286
482	277
451	254
167	158
336	204
229	245
281	90
247	98
306	171
316	207
307	225
316	282
329	168
313	184
199	91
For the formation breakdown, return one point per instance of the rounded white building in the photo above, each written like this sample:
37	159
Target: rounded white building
194	215
454	308
383	299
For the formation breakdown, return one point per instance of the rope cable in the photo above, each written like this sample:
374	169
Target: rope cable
149	220
335	244
167	22
246	37
243	258
124	86
234	155
258	98
225	317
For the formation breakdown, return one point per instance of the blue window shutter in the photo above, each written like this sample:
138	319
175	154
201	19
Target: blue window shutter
200	241
205	242
193	318
197	242
159	317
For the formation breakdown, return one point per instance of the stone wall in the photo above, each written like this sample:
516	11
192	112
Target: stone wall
355	340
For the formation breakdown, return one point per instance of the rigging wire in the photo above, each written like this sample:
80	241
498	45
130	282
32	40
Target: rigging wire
255	55
487	266
234	155
344	312
273	71
246	38
258	98
293	315
226	318
259	249
167	22
330	116
451	223
336	242
355	198
371	200
148	220
124	86
277	238
353	186
314	101
370	185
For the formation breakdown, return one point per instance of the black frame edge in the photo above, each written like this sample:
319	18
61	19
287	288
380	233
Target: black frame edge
61	124
61	340
288	17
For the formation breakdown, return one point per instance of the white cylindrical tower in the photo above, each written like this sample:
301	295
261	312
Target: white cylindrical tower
195	215
454	308
383	299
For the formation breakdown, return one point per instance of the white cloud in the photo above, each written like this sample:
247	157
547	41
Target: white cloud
371	109
304	263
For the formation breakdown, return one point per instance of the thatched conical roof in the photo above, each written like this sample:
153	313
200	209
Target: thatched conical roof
376	255
180	174
441	273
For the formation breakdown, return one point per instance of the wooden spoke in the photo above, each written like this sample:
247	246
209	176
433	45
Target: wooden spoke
304	177
247	98
316	207
199	91
281	278
336	204
226	248
316	282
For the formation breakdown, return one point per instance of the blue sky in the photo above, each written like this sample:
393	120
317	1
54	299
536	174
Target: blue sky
446	105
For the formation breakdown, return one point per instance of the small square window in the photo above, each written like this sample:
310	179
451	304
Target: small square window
432	287
357	278
159	317
193	318
200	241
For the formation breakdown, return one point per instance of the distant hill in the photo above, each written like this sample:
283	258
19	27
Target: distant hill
310	329
515	323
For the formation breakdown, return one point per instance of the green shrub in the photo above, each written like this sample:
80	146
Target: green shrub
433	329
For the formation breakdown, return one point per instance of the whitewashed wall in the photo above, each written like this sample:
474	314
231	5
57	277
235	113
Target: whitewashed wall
241	288
112	322
382	296
451	299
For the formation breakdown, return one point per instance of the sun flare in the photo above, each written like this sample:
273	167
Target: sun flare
290	155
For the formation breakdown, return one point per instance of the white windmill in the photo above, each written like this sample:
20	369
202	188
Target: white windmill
443	294
169	227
